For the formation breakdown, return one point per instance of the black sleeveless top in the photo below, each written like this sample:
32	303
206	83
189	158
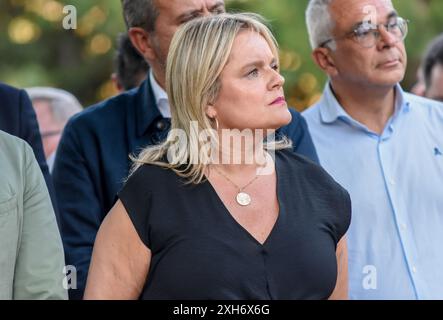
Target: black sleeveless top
200	252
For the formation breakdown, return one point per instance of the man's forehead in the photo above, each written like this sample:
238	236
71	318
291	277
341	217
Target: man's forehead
435	91
437	75
180	6
354	11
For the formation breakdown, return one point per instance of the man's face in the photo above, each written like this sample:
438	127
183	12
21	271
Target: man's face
50	130
172	14
435	90
381	65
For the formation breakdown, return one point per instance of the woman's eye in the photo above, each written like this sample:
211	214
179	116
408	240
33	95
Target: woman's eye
275	67
253	73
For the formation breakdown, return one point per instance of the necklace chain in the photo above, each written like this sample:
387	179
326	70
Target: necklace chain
242	198
239	189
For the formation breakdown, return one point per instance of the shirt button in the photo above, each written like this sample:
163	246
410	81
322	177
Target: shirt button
404	226
414	269
392	182
161	125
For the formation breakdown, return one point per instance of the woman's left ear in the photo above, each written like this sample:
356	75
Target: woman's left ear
210	111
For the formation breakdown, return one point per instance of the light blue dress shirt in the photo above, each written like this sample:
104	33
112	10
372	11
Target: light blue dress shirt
395	180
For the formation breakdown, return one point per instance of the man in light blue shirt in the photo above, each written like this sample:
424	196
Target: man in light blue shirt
383	145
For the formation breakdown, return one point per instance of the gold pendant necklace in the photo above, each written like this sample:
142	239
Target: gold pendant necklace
242	198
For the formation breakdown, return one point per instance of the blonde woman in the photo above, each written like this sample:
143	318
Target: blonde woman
189	227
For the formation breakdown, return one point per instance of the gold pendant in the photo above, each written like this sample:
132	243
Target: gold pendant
243	199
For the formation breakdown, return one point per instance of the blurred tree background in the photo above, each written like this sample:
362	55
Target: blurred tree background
35	49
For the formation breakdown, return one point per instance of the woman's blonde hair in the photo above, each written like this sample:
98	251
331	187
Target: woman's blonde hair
198	53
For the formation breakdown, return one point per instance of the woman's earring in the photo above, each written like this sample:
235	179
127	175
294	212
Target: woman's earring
216	124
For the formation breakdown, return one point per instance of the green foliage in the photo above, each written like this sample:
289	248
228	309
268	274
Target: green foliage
37	51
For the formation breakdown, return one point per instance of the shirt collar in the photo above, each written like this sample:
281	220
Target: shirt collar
331	110
160	95
158	91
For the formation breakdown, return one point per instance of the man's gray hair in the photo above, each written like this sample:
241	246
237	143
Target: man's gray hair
140	13
319	22
63	105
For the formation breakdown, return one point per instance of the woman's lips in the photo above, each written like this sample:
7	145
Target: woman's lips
278	101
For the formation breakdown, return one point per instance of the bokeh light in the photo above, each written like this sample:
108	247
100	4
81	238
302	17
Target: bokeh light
100	44
23	31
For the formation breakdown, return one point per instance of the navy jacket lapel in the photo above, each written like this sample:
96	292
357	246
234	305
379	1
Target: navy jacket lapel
146	108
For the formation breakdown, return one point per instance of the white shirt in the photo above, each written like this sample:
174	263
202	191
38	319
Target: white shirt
50	162
161	98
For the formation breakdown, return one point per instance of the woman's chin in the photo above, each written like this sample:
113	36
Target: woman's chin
284	118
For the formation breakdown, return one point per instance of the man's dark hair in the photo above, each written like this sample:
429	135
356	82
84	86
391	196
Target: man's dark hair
129	64
433	57
140	13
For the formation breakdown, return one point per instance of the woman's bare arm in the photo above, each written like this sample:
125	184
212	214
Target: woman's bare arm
342	286
120	260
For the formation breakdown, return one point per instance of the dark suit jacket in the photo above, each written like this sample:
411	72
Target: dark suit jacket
92	162
17	117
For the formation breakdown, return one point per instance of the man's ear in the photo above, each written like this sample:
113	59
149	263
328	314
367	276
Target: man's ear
322	57
142	42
